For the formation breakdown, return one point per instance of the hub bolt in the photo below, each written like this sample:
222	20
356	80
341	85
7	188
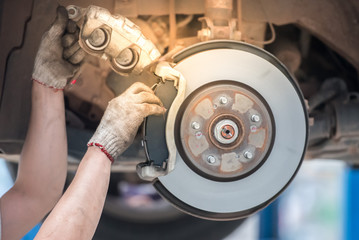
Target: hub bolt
195	125
248	154
211	159
255	118
223	100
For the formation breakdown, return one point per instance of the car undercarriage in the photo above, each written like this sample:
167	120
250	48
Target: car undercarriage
305	105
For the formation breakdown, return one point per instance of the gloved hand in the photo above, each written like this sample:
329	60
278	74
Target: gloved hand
123	116
59	54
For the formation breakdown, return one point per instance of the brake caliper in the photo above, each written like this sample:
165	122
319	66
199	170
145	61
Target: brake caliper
113	38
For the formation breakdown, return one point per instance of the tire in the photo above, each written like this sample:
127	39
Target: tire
185	227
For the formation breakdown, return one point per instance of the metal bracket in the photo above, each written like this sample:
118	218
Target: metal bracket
166	72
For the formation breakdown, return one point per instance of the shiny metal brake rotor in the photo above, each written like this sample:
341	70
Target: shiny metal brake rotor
240	133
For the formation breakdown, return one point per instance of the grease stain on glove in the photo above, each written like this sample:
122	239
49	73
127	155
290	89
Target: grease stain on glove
50	68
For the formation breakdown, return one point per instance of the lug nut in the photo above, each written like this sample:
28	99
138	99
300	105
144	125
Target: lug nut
255	118
211	159
248	155
195	125
223	100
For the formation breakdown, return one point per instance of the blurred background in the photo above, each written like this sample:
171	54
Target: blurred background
319	204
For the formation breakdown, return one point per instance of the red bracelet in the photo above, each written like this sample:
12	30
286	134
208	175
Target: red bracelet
43	84
102	149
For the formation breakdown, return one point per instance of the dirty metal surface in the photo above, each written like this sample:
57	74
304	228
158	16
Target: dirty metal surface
90	94
335	22
12	30
219	137
16	97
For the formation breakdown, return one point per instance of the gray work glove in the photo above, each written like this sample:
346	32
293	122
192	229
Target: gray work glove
123	116
59	54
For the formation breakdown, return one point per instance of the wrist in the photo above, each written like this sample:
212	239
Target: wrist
106	141
46	85
102	149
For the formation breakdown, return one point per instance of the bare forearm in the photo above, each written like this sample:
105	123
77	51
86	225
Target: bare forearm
77	213
44	155
43	165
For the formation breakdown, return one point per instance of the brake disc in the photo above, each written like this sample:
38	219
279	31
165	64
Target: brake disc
240	133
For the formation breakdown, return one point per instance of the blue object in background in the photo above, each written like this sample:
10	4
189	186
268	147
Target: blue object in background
351	223
6	181
32	233
268	223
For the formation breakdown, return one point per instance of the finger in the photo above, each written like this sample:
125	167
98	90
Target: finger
152	109
138	87
68	40
71	27
58	27
77	57
146	97
68	52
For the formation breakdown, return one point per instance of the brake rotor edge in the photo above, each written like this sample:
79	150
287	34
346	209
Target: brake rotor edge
214	45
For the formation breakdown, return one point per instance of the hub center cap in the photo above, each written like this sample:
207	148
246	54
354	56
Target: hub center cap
226	131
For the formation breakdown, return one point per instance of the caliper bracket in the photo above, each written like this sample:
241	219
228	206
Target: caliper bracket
159	138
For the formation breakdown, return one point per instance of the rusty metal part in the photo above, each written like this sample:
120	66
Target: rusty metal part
135	8
219	10
226	132
110	37
239	16
173	24
335	132
335	22
218	22
158	27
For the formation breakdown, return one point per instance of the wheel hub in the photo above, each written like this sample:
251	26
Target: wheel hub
217	132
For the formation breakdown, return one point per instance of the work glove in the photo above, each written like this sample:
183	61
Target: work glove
59	55
123	116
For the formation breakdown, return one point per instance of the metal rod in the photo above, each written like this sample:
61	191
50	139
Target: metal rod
239	15
173	25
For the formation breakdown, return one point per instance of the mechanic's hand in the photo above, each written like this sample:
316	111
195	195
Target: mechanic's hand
123	116
59	54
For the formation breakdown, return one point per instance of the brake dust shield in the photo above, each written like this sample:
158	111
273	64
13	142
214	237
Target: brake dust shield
240	133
